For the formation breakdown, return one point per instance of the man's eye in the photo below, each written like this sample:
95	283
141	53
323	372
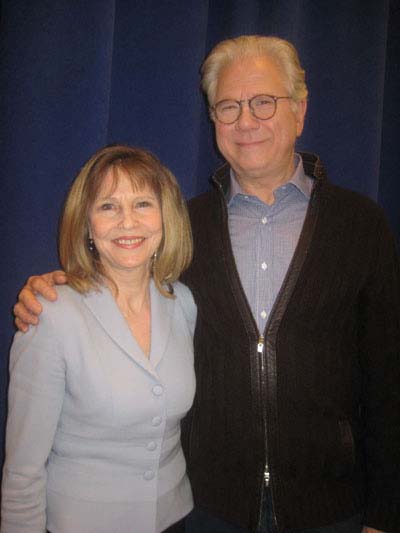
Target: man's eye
265	101
227	107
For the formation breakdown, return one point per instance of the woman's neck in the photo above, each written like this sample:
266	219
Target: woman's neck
132	294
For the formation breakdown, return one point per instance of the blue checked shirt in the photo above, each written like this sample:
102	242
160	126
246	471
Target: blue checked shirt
264	238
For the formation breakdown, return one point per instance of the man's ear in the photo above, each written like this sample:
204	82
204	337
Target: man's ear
300	115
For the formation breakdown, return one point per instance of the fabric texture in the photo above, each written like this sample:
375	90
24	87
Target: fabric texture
93	433
322	402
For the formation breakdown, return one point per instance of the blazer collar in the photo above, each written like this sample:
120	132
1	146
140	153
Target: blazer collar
102	305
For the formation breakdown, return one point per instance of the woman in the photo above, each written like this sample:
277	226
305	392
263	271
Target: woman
98	389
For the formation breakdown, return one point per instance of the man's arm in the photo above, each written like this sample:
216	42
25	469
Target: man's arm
379	357
28	308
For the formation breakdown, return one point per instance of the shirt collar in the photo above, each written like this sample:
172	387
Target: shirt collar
299	179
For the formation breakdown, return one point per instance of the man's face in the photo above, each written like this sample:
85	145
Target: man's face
257	148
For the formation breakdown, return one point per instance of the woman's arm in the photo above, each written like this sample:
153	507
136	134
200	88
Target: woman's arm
37	383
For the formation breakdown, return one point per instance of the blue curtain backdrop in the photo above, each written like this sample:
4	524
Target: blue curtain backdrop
78	74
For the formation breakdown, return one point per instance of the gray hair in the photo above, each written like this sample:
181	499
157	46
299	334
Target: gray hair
279	50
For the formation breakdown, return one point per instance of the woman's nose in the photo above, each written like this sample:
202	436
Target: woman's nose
128	218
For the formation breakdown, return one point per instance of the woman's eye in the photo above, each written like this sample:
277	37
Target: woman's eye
106	206
143	203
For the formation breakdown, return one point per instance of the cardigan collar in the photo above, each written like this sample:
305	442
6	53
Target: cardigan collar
312	164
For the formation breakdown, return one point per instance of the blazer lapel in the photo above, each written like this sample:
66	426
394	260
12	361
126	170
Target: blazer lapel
105	309
162	310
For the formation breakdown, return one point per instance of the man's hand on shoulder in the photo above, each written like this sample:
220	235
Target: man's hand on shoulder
367	529
28	308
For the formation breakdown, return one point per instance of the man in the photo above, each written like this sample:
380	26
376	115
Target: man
296	418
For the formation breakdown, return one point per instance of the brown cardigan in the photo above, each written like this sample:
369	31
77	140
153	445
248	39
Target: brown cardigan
323	400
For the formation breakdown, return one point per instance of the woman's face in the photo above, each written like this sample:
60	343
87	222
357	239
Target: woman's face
125	225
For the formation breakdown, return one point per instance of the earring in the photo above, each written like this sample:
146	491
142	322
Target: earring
91	245
153	261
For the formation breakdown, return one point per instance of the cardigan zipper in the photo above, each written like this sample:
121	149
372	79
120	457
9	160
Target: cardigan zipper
260	353
261	357
266	479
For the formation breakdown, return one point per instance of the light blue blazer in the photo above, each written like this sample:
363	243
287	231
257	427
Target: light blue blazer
93	430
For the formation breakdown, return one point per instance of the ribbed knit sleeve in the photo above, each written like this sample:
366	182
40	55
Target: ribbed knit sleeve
379	349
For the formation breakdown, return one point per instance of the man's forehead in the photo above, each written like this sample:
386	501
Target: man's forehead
257	70
249	63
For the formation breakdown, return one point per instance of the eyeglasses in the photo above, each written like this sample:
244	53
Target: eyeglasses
262	106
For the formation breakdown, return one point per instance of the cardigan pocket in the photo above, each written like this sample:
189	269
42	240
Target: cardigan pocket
342	464
347	440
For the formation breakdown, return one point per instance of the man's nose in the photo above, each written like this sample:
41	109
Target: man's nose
246	118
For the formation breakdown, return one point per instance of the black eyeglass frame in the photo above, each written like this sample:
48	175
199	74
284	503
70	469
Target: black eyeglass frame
248	100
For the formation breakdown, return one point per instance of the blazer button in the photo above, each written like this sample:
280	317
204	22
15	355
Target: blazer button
157	390
156	421
148	475
151	446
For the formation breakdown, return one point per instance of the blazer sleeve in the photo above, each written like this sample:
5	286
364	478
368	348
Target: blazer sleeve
36	391
380	360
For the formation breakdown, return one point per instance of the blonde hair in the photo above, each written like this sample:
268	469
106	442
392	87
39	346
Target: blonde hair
279	50
83	266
